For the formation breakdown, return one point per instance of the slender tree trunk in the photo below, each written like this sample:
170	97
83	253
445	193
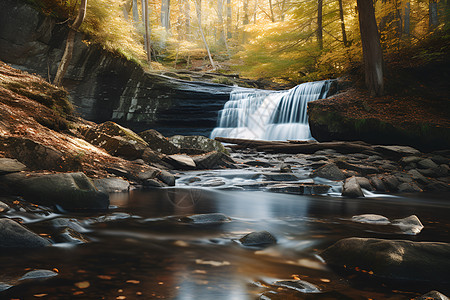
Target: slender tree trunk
220	23
245	20
229	20
283	10
165	14
319	24
198	8
126	9
341	16
433	13
135	12
147	36
68	51
407	18
373	56
272	17
255	9
187	17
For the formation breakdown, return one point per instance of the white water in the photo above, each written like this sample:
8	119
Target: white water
269	115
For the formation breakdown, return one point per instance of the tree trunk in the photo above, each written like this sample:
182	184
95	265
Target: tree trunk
135	12
187	17
255	9
319	24
433	13
341	16
373	56
126	9
220	23
68	51
272	17
229	17
147	36
245	20
198	8
283	10
407	18
165	14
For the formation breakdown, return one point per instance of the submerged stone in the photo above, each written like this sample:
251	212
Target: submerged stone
298	285
433	295
14	235
371	219
259	238
38	275
410	225
206	219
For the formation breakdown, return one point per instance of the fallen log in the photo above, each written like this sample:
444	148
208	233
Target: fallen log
294	148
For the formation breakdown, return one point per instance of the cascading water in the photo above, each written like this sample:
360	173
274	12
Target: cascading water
269	115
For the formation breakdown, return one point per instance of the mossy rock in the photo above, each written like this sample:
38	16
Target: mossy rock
197	142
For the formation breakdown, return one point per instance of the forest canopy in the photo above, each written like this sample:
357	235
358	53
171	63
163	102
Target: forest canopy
284	40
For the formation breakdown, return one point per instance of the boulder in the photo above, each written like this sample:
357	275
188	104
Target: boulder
206	219
433	295
410	225
10	165
259	238
409	160
427	164
14	235
157	142
112	185
213	160
351	188
364	183
406	187
371	219
361	169
39	275
392	259
3	207
390	182
166	177
181	161
197	142
280	177
397	151
377	184
299	188
67	191
328	171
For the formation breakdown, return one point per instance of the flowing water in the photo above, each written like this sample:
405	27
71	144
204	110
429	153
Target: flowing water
143	250
269	115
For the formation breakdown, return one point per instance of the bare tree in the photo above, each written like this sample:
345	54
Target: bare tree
341	16
198	8
68	51
147	37
229	16
372	54
165	14
319	32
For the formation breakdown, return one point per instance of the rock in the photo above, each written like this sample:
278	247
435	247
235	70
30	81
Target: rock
371	219
157	142
3	207
328	171
166	177
409	188
298	285
378	184
259	163
427	164
361	169
351	188
364	183
391	182
206	219
68	191
397	151
299	189
181	161
198	142
433	295
153	158
439	159
116	140
417	176
392	259
213	182
437	186
14	235
62	223
5	286
285	168
10	165
259	238
213	160
410	225
150	173
152	183
70	236
280	177
409	159
38	275
112	185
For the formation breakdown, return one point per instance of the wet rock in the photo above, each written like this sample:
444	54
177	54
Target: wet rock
166	177
371	219
439	159
70	236
112	185
258	238
206	219
10	165
409	159
197	142
417	176
155	159
364	183
3	207
433	295
5	286
152	183
181	161
299	189
14	235
390	182
298	285
157	142
397	151
259	163
68	191
361	169
410	225
63	223
38	275
396	259
409	188
280	177
318	158
377	184
437	186
213	183
427	164
285	168
351	188
318	164
213	160
328	171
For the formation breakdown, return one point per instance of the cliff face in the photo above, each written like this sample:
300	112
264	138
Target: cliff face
103	86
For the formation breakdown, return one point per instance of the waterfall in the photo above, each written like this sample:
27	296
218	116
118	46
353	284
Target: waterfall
269	115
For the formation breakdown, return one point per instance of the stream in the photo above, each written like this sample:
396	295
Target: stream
143	249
